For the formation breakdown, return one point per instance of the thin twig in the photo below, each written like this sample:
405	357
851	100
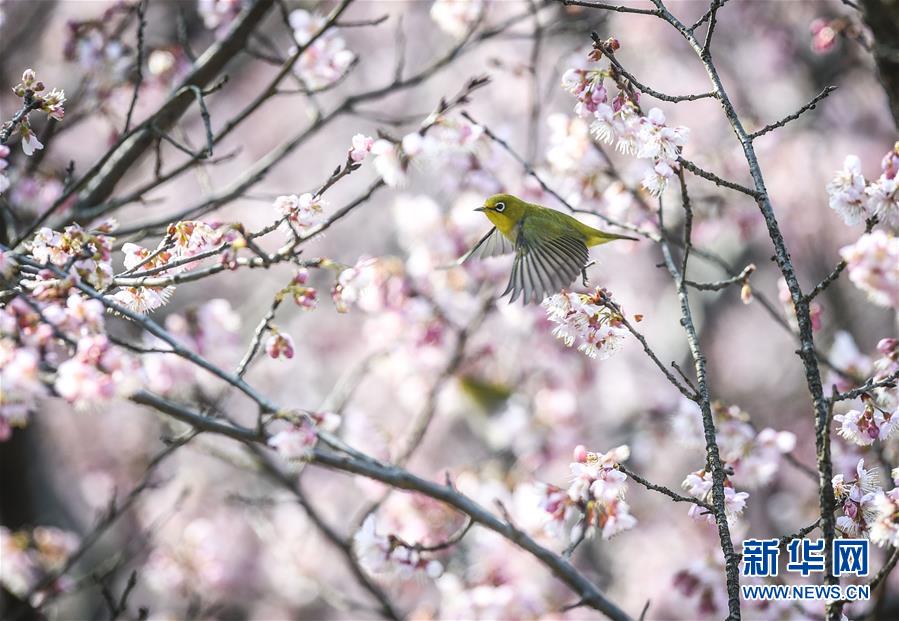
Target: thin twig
792	117
141	26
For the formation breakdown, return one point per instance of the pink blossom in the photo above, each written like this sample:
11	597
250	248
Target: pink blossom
379	554
218	14
143	299
885	529
864	427
279	344
856	498
596	494
96	373
846	192
30	143
389	163
326	59
873	266
580	318
824	37
295	442
699	485
362	145
305	211
53	103
883	200
456	17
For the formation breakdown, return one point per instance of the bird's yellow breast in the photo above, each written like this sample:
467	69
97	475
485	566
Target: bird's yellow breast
505	224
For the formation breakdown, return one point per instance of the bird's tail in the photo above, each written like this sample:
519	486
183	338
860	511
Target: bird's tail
601	237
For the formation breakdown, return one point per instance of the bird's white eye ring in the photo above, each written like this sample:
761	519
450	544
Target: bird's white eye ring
500	207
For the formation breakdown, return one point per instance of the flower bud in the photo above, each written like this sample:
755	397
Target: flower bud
580	453
746	293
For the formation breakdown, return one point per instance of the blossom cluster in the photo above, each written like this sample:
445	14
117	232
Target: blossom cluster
856	199
388	554
303	295
184	239
594	498
325	60
371	284
210	330
44	330
753	455
699	485
586	320
620	120
873	420
884	531
52	103
581	173
865	426
456	17
873	266
85	253
303	211
32	557
297	441
449	141
856	499
218	14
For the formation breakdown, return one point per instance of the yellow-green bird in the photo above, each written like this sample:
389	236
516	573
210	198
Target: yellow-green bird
550	247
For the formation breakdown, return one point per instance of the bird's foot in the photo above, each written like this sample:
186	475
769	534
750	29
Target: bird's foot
584	273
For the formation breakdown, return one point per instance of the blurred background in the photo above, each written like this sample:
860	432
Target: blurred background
215	537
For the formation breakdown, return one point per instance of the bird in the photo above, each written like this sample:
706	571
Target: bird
550	247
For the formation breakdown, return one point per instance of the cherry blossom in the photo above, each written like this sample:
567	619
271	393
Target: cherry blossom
304	296
279	344
620	120
845	355
755	456
362	145
699	485
88	251
389	162
582	319
96	373
327	58
856	499
218	14
456	17
305	211
30	143
824	37
847	192
30	557
380	554
864	427
873	266
884	531
595	497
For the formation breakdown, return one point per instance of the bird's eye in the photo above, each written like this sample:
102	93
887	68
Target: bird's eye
500	207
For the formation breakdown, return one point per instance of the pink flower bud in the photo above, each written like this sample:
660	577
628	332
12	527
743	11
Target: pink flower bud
580	453
887	346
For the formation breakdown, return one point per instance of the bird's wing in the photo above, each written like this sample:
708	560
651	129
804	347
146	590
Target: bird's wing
492	244
547	260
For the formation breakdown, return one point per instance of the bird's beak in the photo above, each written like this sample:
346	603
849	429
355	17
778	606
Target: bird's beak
481	208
